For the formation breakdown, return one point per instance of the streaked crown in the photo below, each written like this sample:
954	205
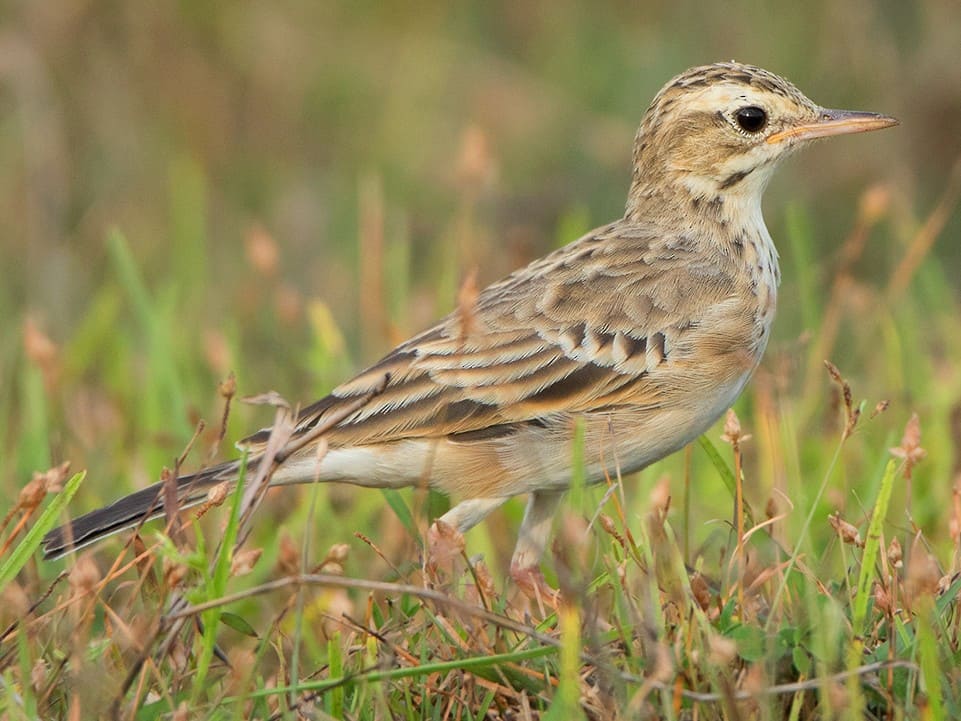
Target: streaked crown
716	132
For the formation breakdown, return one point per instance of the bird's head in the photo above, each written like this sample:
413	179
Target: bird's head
716	132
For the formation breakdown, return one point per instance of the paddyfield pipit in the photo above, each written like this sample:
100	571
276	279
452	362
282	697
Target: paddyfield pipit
642	332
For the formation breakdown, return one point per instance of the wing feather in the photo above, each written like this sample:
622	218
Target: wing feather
579	330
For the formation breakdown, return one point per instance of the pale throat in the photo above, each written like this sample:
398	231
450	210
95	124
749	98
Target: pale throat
725	213
735	223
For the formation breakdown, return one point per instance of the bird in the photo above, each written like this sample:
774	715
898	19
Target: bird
634	339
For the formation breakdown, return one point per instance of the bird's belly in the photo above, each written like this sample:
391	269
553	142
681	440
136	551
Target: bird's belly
642	441
624	439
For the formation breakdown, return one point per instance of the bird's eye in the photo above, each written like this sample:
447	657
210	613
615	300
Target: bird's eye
751	118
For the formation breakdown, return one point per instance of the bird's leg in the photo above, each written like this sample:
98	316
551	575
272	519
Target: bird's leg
459	519
467	514
531	542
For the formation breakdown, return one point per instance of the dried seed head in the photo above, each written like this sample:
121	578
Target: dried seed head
895	554
882	599
218	494
874	203
263	253
923	574
244	561
174	573
910	450
834	372
38	674
84	576
338	553
610	528
14	602
334	561
851	412
485	580
444	543
607	523
39	349
32	494
849	533
701	591
228	386
50	481
660	498
288	557
732	430
475	164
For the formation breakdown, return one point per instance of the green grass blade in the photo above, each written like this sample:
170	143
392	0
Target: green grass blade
335	661
397	504
219	575
930	659
872	548
566	706
31	542
723	470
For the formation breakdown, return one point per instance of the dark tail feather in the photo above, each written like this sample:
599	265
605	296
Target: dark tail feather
131	510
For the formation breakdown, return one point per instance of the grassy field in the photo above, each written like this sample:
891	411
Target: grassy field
282	191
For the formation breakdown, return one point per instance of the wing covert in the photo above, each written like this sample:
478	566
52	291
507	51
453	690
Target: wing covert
580	329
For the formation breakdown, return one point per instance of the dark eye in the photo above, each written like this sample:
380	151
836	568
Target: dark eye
751	118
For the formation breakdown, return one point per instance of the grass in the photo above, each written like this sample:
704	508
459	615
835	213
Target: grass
323	219
783	611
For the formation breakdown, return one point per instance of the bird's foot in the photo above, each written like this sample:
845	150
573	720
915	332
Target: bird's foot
444	545
532	584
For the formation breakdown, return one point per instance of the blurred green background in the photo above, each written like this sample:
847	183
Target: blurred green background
287	188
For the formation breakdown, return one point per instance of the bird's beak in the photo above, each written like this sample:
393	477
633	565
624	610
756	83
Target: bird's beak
835	122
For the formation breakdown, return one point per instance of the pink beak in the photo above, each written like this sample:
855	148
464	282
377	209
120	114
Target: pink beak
835	122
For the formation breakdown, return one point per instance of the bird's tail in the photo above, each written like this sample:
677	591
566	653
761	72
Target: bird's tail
134	509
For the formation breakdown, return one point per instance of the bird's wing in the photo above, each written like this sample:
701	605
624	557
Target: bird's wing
579	330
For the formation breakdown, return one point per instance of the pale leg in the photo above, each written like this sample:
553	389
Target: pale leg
444	539
531	542
467	514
